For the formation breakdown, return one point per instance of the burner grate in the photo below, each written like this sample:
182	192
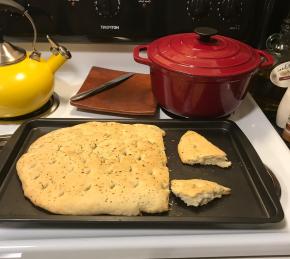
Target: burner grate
43	111
179	117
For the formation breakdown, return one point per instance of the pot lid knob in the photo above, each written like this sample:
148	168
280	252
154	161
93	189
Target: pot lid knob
205	33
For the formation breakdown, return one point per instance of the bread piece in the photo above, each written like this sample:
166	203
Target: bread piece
196	192
97	168
195	149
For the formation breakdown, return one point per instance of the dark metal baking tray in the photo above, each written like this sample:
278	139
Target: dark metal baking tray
253	200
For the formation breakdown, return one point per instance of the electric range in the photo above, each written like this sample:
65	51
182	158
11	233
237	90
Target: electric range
73	241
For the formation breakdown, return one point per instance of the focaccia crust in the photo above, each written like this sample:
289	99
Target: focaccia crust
193	148
97	168
197	192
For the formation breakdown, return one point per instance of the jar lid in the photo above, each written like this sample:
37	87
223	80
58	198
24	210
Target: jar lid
203	54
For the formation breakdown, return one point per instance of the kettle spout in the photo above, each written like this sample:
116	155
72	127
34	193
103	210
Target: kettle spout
55	62
59	55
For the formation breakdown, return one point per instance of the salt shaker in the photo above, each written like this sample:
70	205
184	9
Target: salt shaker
283	111
286	131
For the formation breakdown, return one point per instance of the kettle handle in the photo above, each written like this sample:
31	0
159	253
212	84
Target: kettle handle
13	4
35	54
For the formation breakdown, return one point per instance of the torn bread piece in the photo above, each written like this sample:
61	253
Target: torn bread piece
193	148
197	192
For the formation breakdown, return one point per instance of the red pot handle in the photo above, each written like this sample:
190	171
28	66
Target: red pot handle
268	60
137	57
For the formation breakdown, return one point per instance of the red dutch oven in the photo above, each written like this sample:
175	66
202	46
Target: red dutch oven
201	74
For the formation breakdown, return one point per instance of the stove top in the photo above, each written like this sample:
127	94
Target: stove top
40	240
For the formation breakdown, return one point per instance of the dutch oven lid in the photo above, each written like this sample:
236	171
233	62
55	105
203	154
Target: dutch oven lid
203	53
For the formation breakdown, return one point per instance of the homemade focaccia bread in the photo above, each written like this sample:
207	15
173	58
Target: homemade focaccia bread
196	149
196	192
97	168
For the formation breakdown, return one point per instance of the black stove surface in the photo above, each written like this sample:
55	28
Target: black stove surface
271	115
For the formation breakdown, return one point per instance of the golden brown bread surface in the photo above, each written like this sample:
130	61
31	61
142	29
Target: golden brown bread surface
196	192
97	168
193	148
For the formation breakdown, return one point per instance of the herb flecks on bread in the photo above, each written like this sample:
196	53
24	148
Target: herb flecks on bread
97	168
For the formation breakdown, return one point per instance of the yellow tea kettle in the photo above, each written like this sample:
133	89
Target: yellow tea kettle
26	79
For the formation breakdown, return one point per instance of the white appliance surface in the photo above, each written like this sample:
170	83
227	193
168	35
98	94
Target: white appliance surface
38	241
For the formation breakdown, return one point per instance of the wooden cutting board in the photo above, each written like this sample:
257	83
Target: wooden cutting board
132	97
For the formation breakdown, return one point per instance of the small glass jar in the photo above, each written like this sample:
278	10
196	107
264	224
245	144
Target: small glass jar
266	94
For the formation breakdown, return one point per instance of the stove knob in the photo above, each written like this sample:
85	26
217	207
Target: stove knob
230	9
197	8
144	3
107	8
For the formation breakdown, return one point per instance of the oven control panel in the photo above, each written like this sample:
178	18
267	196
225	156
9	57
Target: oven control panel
137	19
223	9
234	18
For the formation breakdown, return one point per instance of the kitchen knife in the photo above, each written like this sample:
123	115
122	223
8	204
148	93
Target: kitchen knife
102	87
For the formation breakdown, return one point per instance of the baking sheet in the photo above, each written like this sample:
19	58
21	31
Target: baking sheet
252	202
